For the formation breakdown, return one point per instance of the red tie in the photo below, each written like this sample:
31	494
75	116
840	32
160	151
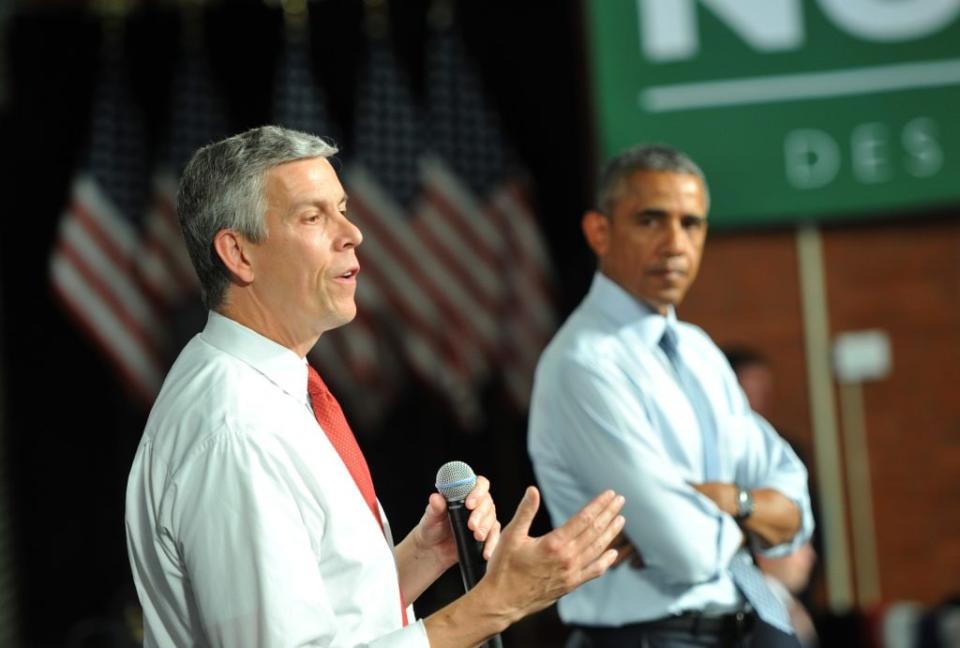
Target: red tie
334	423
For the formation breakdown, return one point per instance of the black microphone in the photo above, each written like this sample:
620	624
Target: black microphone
455	480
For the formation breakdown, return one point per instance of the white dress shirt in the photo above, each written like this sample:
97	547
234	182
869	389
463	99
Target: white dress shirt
607	412
244	527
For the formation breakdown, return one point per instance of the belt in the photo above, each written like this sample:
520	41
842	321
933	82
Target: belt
697	623
737	624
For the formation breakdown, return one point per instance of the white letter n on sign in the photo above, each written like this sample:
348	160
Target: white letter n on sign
669	30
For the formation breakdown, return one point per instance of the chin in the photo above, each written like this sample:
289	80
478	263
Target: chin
336	319
346	315
672	297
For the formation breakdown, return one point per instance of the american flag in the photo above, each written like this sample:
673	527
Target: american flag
473	186
94	266
451	246
120	264
437	323
351	358
198	117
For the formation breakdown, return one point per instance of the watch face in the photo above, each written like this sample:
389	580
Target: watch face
744	504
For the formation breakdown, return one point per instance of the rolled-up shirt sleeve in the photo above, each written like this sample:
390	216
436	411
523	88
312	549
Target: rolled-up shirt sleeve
770	462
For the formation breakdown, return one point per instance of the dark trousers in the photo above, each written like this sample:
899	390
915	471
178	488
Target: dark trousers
686	631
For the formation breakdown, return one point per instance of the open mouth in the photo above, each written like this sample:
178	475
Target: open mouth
349	274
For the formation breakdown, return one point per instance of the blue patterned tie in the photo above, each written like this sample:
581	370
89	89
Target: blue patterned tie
745	574
753	585
698	402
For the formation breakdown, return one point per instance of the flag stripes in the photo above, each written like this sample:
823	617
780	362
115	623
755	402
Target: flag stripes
347	357
94	272
455	283
98	319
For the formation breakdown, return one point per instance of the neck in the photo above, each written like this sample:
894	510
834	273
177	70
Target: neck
266	323
660	310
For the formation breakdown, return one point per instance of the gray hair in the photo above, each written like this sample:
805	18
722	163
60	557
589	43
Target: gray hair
642	157
222	187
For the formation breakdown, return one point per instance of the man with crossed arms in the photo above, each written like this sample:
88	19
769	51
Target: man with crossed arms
628	397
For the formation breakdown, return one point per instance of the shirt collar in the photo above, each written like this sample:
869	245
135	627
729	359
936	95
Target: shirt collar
279	364
625	311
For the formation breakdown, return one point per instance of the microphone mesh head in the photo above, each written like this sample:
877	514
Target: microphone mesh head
455	480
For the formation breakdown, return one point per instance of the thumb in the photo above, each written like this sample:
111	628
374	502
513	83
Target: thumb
526	511
436	506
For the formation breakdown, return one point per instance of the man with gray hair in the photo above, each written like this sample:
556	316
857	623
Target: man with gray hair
628	397
251	515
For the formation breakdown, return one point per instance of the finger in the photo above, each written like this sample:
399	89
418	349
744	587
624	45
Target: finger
625	551
619	540
600	524
599	566
480	506
492	539
601	541
476	495
583	519
599	557
482	519
482	514
526	511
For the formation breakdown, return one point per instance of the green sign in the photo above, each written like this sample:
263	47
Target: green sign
795	109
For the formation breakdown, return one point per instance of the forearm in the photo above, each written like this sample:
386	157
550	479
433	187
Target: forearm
468	621
775	518
417	568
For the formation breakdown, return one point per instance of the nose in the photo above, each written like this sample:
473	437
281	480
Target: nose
673	237
350	234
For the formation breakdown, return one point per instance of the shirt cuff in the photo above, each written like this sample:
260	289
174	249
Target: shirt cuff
802	535
412	636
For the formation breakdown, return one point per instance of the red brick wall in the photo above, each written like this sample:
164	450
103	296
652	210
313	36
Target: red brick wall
903	278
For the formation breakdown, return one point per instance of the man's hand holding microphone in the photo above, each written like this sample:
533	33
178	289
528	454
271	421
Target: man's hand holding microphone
508	574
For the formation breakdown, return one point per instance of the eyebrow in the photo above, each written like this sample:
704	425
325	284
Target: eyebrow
662	213
314	203
656	213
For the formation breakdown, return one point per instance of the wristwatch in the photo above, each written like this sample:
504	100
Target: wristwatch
744	504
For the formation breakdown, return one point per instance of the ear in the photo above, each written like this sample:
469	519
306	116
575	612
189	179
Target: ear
231	248
596	229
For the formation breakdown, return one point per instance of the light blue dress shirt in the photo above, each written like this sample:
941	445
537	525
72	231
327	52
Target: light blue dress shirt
608	412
